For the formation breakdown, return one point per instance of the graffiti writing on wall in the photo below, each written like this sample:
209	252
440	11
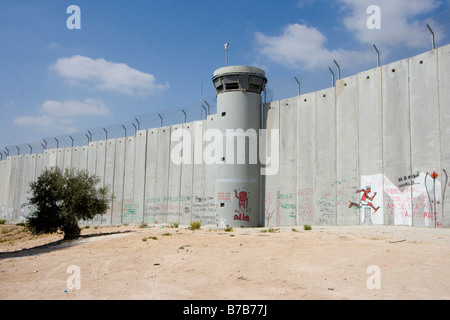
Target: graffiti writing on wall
286	202
405	180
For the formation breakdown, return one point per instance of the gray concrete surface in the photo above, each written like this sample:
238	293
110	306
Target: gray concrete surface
386	128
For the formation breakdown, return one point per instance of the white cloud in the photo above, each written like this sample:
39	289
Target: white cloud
303	46
106	75
39	121
73	108
47	124
59	116
299	46
399	23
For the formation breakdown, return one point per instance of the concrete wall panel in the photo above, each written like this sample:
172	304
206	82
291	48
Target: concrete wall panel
119	172
50	158
29	175
17	177
425	146
92	159
396	144
83	159
151	199
174	180
39	164
306	156
129	206
287	183
270	185
108	148
210	216
4	187
370	147
187	174
68	158
139	175
347	178
198	174
162	174
75	158
60	158
444	112
325	131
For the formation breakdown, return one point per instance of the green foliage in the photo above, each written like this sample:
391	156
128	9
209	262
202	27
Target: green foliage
2	221
307	227
61	198
195	225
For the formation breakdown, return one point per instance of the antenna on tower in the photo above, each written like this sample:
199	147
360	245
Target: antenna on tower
226	50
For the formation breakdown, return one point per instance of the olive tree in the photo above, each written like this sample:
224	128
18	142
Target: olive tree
62	198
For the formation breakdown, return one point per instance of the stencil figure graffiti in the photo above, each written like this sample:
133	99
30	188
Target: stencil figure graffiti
243	199
243	206
366	199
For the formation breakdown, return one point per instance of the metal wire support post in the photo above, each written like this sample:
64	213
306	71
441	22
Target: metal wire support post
378	55
298	83
161	119
31	149
71	139
332	77
57	143
208	108
432	34
184	115
106	133
125	130
18	150
139	124
339	69
206	113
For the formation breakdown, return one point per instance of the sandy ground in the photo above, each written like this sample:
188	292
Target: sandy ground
323	263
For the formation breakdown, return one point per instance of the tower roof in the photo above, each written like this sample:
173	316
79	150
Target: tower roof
239	70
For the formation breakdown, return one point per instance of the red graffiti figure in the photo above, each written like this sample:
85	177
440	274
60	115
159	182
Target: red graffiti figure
366	199
243	199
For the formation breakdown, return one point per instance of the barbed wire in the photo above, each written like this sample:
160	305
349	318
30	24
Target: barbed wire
276	89
168	117
350	64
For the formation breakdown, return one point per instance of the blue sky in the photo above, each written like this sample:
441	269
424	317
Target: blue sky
140	58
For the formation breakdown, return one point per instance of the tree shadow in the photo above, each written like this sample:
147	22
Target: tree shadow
55	245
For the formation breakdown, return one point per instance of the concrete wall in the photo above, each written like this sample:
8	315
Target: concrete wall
387	128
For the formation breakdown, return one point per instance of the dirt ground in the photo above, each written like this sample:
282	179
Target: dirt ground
159	262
